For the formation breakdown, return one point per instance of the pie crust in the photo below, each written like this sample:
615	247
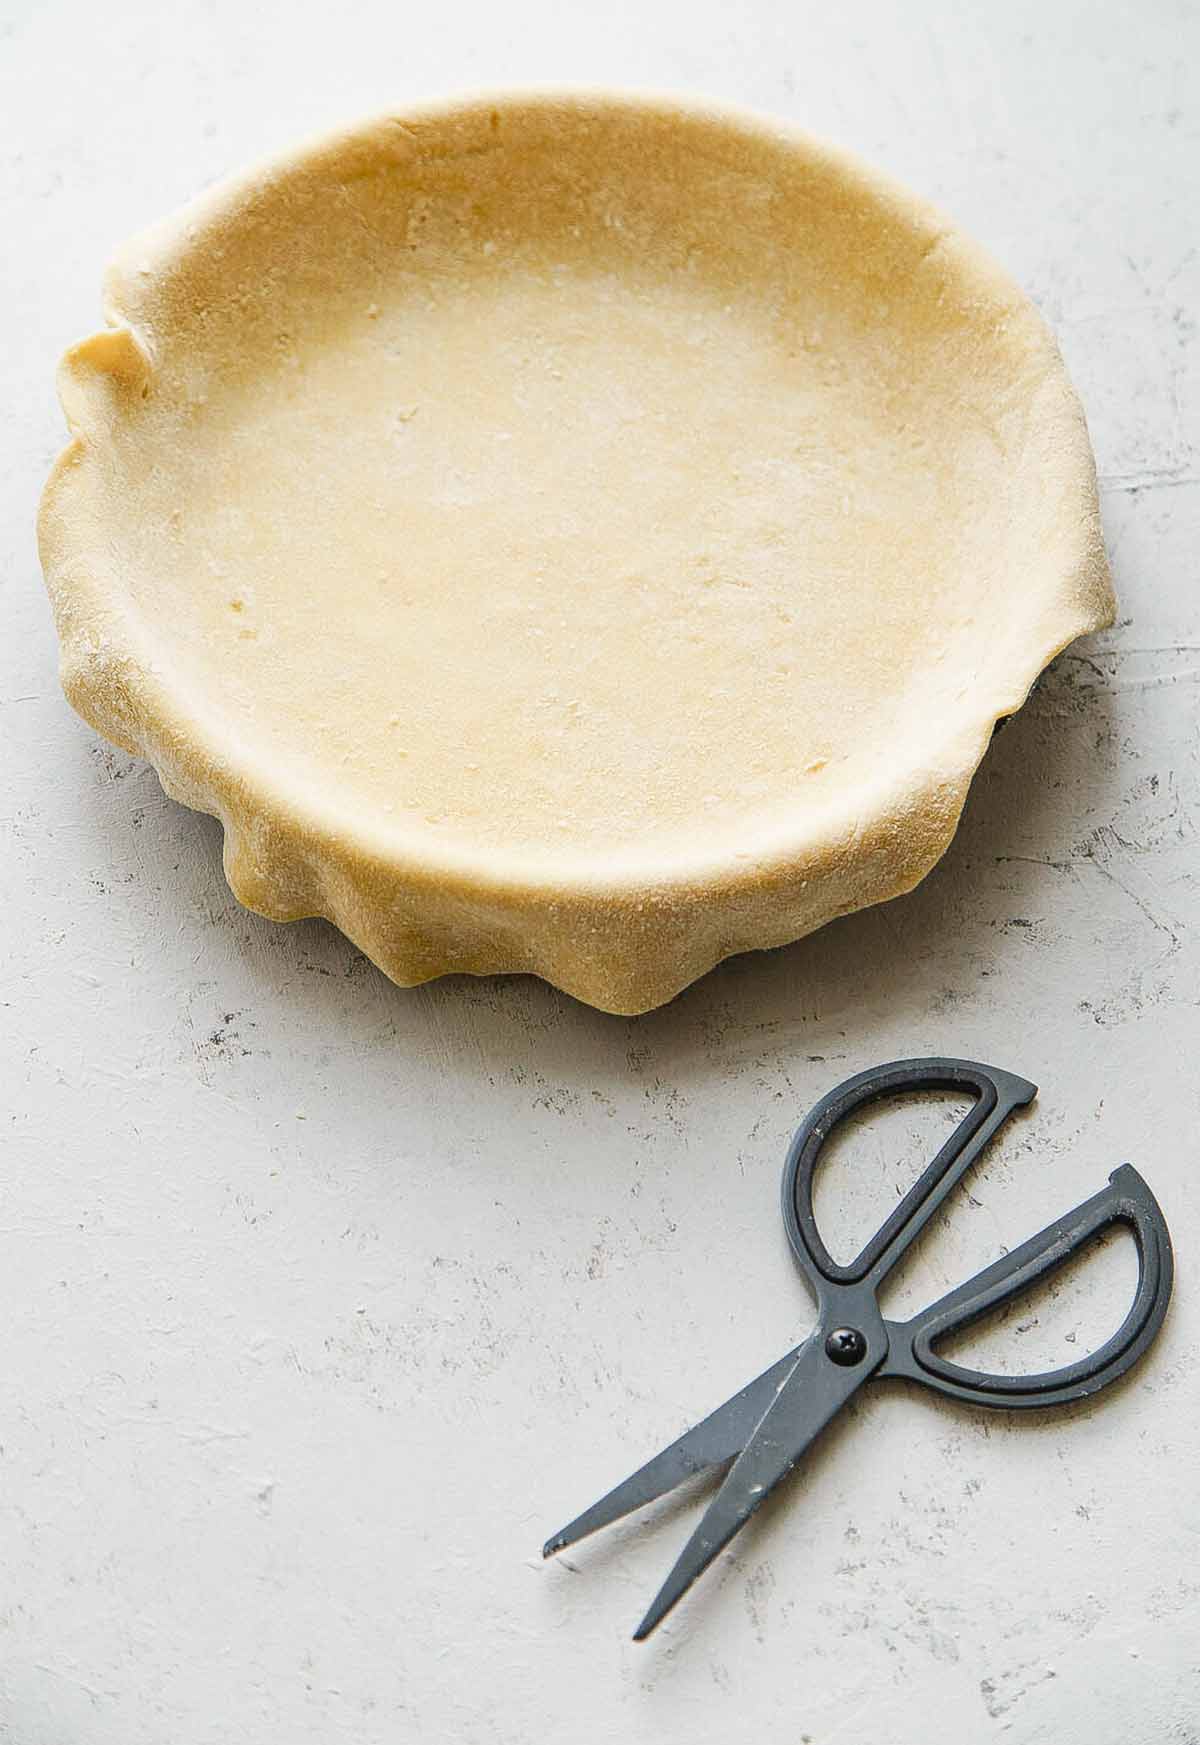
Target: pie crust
576	534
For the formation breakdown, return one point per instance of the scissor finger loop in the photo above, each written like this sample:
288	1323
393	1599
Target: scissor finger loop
1128	1201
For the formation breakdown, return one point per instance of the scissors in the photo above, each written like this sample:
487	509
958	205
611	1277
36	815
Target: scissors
763	1431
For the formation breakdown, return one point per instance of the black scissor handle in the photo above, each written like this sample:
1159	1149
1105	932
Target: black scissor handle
997	1094
1126	1200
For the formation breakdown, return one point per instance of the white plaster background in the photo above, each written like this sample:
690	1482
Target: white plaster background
322	1302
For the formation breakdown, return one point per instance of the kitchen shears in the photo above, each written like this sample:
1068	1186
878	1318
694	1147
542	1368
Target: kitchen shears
763	1431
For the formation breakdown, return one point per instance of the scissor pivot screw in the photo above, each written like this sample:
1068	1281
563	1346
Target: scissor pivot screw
845	1345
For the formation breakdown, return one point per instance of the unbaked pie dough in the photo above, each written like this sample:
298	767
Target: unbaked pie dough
579	535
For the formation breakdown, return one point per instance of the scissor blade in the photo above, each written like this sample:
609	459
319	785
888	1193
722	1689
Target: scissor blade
810	1396
716	1439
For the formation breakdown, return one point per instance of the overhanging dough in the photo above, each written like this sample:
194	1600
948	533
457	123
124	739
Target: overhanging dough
588	536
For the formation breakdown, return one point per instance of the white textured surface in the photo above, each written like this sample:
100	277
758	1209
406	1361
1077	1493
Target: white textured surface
323	1302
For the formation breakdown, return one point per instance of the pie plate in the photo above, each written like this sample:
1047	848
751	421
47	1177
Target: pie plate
567	533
